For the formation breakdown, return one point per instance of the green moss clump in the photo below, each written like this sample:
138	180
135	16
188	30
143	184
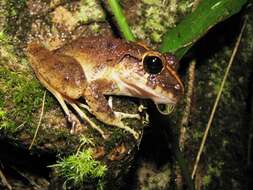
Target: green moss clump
20	94
213	171
156	17
89	11
21	97
6	48
17	21
79	168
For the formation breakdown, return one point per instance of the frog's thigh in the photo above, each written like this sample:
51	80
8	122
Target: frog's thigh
88	120
65	75
56	94
121	114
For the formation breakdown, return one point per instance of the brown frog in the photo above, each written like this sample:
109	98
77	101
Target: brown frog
97	66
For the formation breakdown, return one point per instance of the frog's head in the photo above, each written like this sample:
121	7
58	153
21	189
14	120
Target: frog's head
154	77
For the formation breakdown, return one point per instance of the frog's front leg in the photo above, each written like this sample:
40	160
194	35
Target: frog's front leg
94	96
121	114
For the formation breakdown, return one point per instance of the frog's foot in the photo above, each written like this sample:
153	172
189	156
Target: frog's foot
88	120
122	115
120	124
141	108
75	123
119	116
85	107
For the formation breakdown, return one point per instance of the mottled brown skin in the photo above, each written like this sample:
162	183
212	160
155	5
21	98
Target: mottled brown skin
62	72
96	66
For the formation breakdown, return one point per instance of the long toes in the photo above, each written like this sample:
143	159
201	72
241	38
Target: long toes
105	136
128	129
141	108
85	107
136	135
127	115
73	127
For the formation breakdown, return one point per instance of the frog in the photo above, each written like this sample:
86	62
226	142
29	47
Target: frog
93	68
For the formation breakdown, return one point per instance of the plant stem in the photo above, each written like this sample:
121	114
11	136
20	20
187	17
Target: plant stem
121	20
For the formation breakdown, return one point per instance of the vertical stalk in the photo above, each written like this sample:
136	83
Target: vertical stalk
121	20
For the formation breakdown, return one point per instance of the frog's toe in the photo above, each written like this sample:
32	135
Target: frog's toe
136	135
75	123
141	108
85	107
89	121
121	125
122	115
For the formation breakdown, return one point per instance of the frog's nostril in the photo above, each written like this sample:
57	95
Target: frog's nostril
177	87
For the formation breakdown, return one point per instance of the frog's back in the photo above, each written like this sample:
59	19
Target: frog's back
102	50
61	73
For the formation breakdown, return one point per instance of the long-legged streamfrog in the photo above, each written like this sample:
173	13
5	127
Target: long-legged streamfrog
97	66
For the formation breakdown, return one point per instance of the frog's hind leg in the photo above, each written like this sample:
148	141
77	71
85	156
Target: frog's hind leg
87	119
70	117
118	114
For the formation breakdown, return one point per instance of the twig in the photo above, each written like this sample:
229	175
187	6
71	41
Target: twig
4	180
121	20
187	110
41	115
217	101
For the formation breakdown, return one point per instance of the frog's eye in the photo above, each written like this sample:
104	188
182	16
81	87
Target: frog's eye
152	64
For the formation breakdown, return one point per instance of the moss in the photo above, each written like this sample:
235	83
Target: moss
213	171
217	72
206	180
95	28
15	6
21	97
153	25
151	1
17	20
6	47
157	16
184	5
89	10
225	147
80	168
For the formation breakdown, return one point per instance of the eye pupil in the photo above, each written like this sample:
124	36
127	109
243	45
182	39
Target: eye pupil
152	64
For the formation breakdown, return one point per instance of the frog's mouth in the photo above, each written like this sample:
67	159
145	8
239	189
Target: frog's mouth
165	109
164	104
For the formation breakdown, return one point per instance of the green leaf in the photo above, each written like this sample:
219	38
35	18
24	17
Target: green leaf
178	40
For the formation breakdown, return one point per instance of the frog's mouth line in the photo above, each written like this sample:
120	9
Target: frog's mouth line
135	90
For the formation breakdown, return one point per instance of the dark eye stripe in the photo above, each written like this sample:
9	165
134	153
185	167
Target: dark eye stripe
152	64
